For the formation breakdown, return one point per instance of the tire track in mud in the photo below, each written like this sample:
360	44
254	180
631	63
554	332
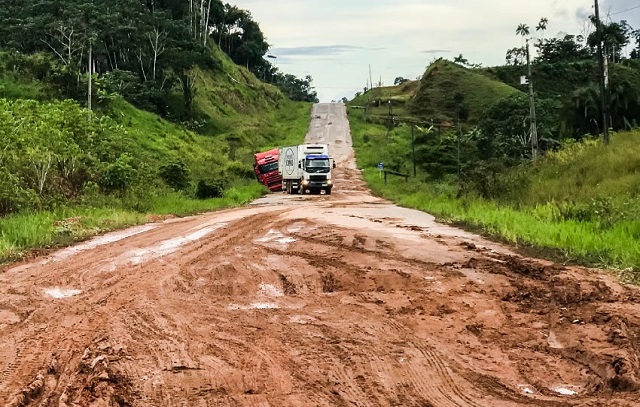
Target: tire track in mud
191	257
448	393
426	391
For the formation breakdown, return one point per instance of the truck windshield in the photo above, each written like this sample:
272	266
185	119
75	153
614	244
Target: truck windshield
268	167
320	165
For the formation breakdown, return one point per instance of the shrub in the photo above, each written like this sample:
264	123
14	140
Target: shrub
175	174
239	170
209	189
118	175
13	197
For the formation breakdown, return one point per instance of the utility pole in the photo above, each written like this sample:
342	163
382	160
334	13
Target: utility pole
532	110
413	150
390	121
459	141
603	88
90	73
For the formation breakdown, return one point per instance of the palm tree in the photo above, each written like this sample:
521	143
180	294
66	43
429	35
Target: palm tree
522	30
542	26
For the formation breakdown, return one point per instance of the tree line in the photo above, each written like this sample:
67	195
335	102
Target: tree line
139	48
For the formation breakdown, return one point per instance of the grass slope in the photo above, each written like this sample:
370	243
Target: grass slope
434	98
587	171
377	99
231	96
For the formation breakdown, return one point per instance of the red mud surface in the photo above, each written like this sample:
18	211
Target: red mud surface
341	300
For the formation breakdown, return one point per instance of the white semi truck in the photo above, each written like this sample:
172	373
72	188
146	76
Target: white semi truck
306	167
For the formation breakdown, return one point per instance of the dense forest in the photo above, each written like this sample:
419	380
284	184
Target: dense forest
142	50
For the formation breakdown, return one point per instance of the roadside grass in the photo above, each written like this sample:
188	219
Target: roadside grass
545	222
177	204
582	172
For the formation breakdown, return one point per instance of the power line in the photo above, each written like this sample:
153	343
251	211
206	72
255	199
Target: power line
624	11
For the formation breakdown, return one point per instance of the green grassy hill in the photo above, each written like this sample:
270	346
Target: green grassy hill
434	97
377	99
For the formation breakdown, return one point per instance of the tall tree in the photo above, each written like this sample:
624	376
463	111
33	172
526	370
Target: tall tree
523	31
542	26
615	36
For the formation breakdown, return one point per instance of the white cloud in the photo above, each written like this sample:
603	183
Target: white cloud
336	40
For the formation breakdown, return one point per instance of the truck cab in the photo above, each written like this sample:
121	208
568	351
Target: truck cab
266	169
316	175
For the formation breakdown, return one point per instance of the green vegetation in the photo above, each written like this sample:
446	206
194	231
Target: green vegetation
65	177
473	147
579	204
46	229
377	99
147	52
173	128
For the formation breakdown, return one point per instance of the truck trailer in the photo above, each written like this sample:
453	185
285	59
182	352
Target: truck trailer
266	169
306	167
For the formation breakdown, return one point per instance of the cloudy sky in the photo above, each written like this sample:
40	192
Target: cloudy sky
335	41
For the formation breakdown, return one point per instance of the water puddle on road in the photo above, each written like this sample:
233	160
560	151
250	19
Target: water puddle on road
275	236
527	389
566	390
59	293
171	245
255	305
98	241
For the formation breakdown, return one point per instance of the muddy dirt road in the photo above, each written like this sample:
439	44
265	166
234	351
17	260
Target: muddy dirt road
341	300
